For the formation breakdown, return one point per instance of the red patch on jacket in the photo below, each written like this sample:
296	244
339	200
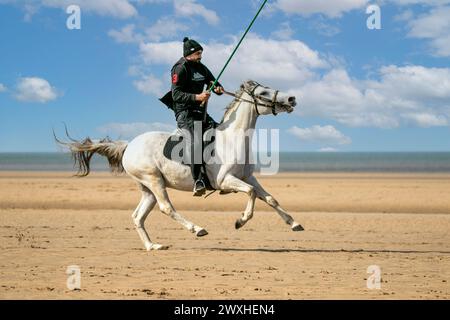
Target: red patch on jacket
174	78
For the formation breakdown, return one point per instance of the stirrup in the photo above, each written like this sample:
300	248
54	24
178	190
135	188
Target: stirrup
198	192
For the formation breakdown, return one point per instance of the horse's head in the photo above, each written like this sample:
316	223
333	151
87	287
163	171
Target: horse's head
268	100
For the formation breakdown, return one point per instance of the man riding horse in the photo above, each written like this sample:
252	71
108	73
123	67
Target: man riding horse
189	77
144	160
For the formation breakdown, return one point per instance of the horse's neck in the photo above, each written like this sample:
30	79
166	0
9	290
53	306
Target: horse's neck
236	130
245	116
242	117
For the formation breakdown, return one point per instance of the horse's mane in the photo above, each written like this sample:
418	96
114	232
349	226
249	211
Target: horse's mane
232	104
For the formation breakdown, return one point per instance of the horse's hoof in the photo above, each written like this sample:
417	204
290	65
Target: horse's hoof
238	224
201	233
156	246
297	227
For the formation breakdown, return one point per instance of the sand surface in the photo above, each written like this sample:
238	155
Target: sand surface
399	222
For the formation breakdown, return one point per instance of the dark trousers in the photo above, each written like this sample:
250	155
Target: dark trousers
192	123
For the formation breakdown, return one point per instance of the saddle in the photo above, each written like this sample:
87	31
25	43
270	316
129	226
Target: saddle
177	140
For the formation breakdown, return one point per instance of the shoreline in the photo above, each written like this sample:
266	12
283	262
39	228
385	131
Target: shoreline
285	162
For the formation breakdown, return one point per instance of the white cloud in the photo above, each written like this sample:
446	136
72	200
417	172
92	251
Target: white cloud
308	7
35	89
141	2
279	63
407	15
116	8
434	26
164	28
401	94
337	8
190	8
414	83
30	11
2	87
426	120
319	134
328	149
322	27
336	96
421	2
161	52
149	84
131	130
134	70
126	35
266	60
285	32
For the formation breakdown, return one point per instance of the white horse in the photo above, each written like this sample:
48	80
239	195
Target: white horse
143	160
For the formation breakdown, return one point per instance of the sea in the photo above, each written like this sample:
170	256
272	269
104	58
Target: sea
287	162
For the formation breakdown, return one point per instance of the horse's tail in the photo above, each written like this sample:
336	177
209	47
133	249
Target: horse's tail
82	152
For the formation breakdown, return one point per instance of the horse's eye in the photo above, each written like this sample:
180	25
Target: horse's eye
264	93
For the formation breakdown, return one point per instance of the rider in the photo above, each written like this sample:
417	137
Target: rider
189	76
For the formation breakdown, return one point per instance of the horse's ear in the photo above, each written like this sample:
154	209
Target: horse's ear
247	83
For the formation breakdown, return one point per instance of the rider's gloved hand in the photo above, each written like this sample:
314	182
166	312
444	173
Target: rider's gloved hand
202	97
219	90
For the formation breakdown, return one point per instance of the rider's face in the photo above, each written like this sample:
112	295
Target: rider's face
196	56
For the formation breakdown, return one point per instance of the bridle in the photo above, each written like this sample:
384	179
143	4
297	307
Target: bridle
269	103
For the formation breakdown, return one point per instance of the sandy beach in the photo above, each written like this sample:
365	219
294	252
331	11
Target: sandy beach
399	222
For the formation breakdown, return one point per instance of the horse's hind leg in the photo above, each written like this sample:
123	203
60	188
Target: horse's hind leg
143	209
270	200
157	185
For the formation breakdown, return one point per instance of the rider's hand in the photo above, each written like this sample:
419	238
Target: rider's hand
218	90
203	97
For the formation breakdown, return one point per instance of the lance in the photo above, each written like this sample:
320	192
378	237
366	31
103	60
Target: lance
231	57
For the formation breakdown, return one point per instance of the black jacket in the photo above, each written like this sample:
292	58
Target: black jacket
188	79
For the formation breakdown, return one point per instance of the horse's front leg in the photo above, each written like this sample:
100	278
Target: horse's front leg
271	201
231	183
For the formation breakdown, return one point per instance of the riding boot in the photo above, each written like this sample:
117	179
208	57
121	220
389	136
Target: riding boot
199	185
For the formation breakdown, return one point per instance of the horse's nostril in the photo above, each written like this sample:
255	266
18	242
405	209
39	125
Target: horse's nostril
291	99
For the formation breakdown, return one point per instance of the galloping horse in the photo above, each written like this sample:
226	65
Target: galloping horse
144	161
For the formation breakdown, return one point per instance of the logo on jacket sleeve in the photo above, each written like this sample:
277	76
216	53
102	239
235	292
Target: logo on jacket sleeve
174	78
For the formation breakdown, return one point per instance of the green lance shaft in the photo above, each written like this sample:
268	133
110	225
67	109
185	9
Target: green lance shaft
234	51
239	43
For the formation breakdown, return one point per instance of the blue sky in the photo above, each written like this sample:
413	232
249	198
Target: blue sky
358	89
